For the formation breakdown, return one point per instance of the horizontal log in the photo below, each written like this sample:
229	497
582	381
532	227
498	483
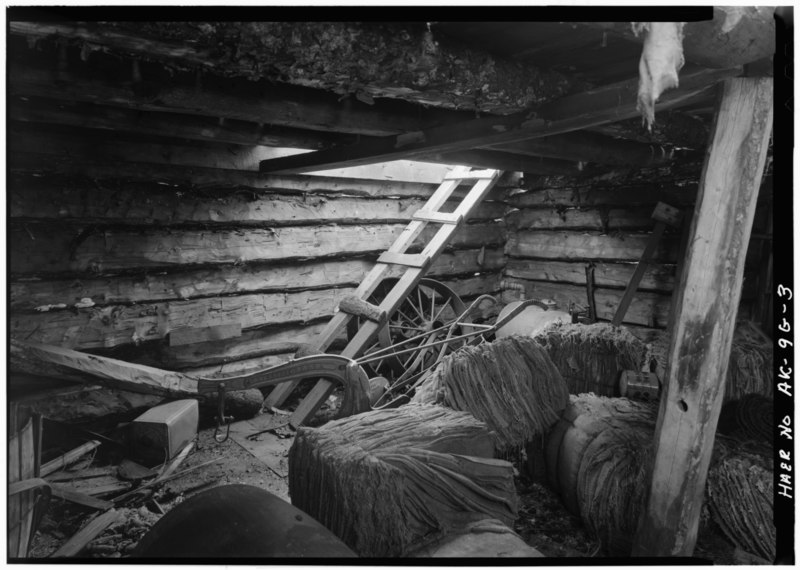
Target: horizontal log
115	325
202	177
81	199
230	279
623	196
604	219
53	248
587	245
647	308
657	277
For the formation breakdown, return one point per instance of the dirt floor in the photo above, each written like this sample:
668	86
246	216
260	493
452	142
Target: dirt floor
543	522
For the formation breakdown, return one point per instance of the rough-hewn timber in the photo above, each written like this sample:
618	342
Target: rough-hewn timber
709	291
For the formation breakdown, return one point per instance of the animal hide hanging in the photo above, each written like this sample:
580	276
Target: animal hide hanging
662	59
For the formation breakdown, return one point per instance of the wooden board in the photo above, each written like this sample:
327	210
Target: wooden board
267	447
56	248
76	366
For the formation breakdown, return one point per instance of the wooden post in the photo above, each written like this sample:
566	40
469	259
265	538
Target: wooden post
709	293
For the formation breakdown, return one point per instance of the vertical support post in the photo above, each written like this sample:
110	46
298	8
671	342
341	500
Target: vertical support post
709	294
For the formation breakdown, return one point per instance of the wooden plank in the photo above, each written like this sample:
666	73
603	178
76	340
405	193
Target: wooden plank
189	283
586	245
81	199
700	345
659	277
610	103
647	309
630	290
87	534
76	366
68	458
600	219
69	248
506	161
193	335
64	492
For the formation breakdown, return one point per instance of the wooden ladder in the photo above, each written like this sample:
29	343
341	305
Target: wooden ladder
416	265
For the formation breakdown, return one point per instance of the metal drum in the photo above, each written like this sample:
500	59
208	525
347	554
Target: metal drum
239	521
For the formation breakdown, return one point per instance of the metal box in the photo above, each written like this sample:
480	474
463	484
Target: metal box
161	432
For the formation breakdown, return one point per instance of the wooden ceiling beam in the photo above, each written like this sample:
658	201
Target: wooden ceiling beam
607	104
283	106
177	125
505	161
737	35
591	147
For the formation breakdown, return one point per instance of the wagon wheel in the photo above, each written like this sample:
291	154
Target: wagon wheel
428	306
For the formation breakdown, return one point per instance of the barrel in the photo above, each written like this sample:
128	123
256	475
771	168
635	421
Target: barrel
239	521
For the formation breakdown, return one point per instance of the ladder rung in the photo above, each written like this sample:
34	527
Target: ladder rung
407	259
440	217
475	175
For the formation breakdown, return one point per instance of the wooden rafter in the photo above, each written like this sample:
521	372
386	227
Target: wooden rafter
275	105
607	104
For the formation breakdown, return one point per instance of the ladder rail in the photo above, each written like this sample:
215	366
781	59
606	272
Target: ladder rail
483	182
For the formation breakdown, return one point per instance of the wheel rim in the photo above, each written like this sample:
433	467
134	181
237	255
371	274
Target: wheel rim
428	306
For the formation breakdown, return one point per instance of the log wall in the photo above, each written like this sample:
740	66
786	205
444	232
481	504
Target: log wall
116	241
560	227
